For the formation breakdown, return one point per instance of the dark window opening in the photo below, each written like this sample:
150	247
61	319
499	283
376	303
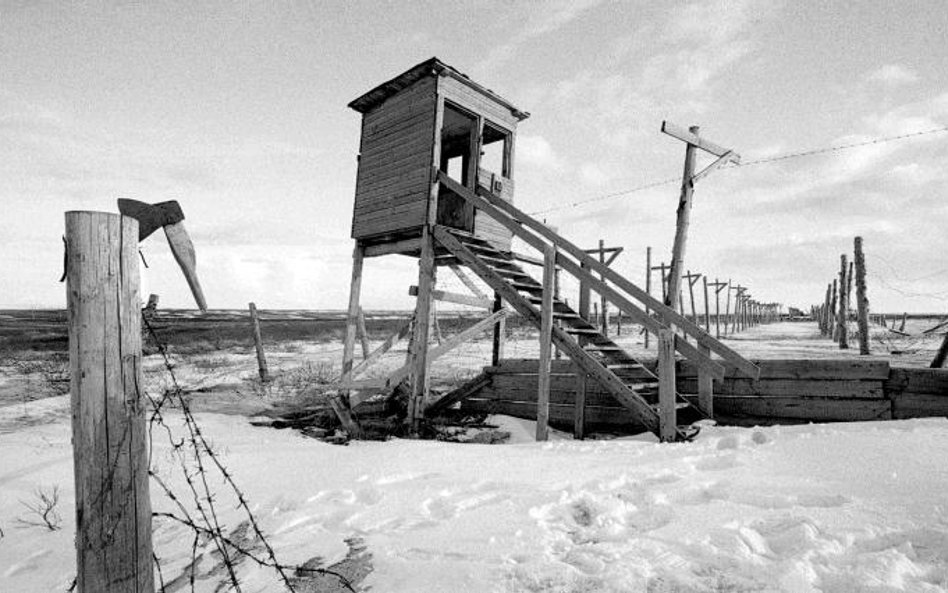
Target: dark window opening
495	150
457	134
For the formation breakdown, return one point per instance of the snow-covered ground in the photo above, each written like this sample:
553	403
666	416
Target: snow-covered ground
834	508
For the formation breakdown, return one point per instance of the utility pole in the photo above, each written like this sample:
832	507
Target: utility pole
689	177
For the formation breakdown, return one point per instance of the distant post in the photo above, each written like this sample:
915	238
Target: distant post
109	435
862	301
258	344
842	322
648	284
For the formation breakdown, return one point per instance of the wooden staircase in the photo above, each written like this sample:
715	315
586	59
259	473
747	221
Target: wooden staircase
633	384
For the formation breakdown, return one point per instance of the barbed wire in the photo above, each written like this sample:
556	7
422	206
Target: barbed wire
760	161
197	445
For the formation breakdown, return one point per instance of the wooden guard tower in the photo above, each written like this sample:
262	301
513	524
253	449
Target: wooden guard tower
428	119
436	182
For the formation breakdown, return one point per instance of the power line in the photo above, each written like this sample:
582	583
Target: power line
793	155
617	194
766	160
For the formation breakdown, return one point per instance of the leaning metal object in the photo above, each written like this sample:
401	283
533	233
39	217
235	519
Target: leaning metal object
170	217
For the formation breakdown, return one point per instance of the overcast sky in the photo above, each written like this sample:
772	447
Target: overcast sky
238	110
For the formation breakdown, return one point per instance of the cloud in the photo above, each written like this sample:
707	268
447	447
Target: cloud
536	151
892	75
543	19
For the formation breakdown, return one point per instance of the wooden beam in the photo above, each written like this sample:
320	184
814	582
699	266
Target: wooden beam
666	386
403	246
467	281
691	137
546	345
355	288
377	353
456	298
460	394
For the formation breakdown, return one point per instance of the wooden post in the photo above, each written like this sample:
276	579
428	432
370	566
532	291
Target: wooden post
352	314
546	343
363	334
109	434
258	344
500	329
862	301
832	311
648	285
681	225
824	319
666	385
603	305
419	377
843	299
904	318
727	306
707	310
692	278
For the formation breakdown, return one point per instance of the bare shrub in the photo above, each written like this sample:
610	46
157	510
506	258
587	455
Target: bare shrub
42	509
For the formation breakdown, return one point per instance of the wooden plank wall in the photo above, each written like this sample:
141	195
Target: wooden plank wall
788	392
392	184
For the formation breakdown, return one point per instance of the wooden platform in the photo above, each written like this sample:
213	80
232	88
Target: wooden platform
788	392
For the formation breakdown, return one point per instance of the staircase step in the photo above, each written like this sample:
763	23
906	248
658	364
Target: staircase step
622	366
565	316
581	330
525	287
603	347
496	261
513	273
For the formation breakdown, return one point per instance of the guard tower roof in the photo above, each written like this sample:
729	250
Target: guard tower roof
430	67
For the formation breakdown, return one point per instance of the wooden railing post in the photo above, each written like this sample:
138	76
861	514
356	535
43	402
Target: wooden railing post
546	344
109	435
666	386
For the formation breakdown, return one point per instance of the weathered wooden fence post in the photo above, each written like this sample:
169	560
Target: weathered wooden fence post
862	302
843	318
258	344
667	414
109	435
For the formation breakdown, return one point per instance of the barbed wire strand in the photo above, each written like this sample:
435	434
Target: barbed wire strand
760	161
211	526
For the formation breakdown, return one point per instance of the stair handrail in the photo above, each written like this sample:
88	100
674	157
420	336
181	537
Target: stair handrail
517	220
